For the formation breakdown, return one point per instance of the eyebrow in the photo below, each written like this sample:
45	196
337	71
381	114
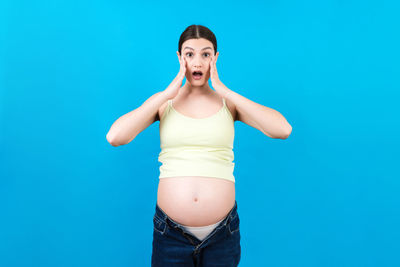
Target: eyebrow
201	49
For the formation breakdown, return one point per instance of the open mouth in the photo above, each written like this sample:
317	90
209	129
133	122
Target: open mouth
197	74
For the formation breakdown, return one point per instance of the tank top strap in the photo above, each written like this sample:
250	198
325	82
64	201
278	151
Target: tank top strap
223	101
169	106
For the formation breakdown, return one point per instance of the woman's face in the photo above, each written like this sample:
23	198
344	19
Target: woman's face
198	54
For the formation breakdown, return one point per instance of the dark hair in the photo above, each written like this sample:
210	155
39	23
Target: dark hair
197	32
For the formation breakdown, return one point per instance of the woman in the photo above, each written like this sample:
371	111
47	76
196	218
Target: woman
196	221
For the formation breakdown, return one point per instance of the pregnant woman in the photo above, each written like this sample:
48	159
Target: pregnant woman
196	221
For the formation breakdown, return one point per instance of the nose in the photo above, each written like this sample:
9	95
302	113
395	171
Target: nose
198	61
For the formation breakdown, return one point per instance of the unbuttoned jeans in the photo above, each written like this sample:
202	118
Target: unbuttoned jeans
175	246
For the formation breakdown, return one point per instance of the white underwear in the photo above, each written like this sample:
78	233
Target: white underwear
202	232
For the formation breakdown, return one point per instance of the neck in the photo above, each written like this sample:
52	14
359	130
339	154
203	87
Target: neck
190	89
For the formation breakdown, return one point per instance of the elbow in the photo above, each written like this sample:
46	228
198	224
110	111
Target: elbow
287	133
112	140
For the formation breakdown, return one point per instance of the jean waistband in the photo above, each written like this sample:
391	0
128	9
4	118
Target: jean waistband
161	215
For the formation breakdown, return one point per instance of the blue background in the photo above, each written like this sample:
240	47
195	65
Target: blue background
326	196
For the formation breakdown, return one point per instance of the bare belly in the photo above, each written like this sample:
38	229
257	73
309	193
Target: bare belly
195	200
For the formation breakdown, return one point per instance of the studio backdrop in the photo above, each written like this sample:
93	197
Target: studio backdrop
326	196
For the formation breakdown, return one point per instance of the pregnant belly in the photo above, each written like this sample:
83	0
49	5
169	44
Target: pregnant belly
195	200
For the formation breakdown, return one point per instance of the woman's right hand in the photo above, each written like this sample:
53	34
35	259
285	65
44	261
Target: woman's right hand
173	88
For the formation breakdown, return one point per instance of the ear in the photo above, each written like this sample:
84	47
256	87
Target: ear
177	53
216	57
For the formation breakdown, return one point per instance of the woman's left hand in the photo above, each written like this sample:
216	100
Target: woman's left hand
218	86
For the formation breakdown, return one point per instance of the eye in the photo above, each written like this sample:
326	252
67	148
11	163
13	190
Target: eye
187	54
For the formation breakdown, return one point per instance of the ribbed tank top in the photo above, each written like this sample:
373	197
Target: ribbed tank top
197	146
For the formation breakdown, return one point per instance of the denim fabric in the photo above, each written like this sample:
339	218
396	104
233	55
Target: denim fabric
175	246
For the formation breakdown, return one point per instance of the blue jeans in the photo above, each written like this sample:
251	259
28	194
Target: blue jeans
174	246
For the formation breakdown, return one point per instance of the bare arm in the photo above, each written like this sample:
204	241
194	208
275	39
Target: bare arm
267	120
128	126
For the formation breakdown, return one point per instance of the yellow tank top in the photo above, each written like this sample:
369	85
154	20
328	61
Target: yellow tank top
197	147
